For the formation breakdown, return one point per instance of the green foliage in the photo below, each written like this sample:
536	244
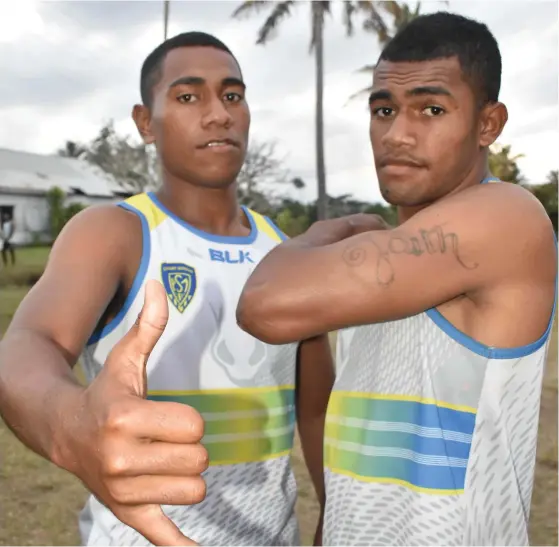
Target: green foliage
290	223
293	217
503	165
59	212
388	213
547	194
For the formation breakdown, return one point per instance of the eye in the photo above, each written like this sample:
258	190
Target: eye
186	98
433	111
233	97
383	111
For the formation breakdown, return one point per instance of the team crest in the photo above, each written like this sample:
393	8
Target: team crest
179	281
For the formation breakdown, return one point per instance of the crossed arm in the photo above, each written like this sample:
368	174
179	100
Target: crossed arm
462	245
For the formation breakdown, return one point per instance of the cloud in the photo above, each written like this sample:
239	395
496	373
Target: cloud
69	66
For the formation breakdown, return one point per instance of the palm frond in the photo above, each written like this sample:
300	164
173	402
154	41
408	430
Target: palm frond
248	7
361	93
280	11
374	22
394	8
366	69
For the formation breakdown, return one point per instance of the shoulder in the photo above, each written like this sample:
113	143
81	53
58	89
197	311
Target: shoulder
509	213
100	232
97	219
502	225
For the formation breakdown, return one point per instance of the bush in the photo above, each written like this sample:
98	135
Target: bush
59	213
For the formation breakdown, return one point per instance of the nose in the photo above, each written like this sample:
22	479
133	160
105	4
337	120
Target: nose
400	133
217	114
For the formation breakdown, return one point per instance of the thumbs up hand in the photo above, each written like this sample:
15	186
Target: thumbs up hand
135	455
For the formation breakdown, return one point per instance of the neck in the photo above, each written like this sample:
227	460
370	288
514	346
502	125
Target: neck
472	178
212	210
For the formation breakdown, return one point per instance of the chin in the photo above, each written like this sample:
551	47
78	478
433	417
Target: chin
400	198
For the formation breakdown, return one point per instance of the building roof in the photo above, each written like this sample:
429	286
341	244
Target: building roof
27	172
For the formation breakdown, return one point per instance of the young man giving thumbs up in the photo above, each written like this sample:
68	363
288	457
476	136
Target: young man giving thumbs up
216	396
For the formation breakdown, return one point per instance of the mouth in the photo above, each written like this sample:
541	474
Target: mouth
399	168
220	144
400	163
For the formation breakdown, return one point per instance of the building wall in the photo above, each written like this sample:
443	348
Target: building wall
31	215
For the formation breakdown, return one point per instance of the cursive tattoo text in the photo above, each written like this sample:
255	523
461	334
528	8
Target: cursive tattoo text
432	241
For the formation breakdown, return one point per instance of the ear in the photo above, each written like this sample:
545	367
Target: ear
142	118
493	119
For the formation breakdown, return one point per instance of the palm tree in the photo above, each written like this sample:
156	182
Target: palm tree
72	149
278	11
165	18
401	15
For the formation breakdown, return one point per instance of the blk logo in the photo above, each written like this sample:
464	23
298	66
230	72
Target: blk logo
240	257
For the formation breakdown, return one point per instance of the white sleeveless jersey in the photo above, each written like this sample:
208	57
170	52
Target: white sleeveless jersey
243	388
431	436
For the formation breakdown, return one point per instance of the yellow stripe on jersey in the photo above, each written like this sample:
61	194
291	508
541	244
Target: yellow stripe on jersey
153	214
241	425
264	226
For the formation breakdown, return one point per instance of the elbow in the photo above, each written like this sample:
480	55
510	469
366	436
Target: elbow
260	315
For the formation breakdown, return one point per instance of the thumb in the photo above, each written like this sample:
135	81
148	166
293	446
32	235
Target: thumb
152	319
129	357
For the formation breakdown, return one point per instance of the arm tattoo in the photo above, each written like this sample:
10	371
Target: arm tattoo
432	241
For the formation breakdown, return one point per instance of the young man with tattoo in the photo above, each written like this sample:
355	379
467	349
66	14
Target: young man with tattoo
445	319
204	375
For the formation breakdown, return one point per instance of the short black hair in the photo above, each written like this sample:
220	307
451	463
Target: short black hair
153	65
443	35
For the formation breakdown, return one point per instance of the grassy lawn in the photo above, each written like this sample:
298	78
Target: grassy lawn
29	265
39	502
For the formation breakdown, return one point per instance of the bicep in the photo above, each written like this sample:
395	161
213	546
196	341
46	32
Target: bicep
466	245
443	252
388	275
82	274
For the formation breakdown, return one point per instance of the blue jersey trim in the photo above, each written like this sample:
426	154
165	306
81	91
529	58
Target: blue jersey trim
234	240
490	178
489	351
138	279
279	233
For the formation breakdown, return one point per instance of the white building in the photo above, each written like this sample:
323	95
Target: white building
26	178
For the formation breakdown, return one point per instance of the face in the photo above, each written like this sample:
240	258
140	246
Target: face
427	131
199	119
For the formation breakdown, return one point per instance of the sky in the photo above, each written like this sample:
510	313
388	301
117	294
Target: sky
68	67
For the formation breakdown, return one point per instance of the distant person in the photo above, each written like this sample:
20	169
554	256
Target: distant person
7	230
204	375
445	319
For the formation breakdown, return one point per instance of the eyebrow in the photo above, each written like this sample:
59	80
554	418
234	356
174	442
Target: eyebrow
384	94
196	80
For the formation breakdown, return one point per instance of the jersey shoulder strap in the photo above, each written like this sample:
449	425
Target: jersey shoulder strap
148	211
267	227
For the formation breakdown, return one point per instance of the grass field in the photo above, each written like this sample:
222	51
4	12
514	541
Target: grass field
39	502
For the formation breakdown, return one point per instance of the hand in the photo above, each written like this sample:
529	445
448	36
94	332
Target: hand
135	455
326	232
365	222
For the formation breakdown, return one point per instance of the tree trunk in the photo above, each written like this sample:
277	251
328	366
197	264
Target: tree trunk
322	206
165	18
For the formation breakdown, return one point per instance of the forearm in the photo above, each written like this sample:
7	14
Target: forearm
311	433
37	387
